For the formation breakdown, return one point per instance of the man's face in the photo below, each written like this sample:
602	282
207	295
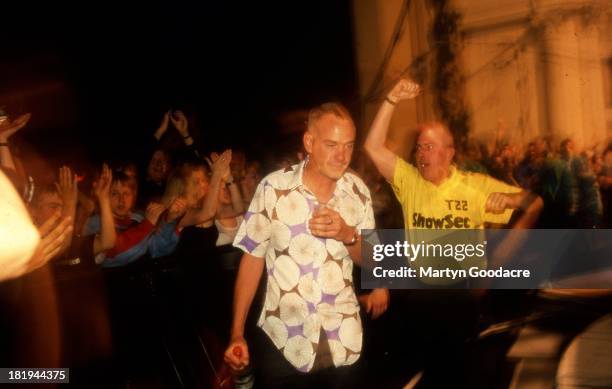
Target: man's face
159	166
47	205
122	199
434	154
330	145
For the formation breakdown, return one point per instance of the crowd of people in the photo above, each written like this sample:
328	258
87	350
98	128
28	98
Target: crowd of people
142	259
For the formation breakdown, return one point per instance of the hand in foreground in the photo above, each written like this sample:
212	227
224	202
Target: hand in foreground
54	234
237	354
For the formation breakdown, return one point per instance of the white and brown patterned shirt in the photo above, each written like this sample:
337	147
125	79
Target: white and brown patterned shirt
310	282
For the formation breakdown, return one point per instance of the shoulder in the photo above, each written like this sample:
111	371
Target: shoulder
355	185
283	178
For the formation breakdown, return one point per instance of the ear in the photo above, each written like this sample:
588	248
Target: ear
308	141
450	152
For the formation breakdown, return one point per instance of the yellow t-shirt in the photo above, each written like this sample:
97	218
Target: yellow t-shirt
457	203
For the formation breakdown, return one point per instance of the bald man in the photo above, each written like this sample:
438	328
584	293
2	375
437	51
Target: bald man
304	227
437	195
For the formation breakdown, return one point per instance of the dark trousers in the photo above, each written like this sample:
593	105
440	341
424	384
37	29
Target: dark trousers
272	370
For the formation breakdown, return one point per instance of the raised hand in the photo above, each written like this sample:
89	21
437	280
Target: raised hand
220	164
8	128
103	184
404	90
67	186
180	122
154	210
163	126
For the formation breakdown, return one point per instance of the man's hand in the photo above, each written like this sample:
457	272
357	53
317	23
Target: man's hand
404	90
237	354
179	120
102	185
498	202
327	223
67	187
177	208
154	210
8	128
54	234
376	302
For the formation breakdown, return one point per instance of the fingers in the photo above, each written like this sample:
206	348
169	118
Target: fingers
47	226
209	162
53	242
496	203
237	355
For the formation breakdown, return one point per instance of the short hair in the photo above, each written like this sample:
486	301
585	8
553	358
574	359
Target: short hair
333	108
185	169
175	187
125	179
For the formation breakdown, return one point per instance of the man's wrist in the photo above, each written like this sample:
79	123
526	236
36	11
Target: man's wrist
391	101
350	236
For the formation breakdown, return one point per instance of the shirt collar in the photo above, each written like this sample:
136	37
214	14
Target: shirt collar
342	185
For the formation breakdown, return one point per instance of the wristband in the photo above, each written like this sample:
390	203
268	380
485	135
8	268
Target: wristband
4	144
388	100
186	137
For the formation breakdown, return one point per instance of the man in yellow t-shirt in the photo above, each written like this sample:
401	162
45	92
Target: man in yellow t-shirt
437	195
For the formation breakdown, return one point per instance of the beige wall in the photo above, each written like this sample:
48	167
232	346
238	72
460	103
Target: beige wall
537	65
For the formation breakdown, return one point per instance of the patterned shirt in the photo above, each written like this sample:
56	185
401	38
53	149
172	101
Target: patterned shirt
310	283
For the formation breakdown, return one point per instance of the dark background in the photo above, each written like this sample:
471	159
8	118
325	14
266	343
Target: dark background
97	76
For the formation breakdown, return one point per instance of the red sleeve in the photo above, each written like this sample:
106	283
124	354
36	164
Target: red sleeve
130	238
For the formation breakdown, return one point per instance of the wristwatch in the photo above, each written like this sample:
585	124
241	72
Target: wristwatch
354	239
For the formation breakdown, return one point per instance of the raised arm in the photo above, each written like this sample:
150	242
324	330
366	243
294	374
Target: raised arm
67	188
383	158
107	237
220	172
